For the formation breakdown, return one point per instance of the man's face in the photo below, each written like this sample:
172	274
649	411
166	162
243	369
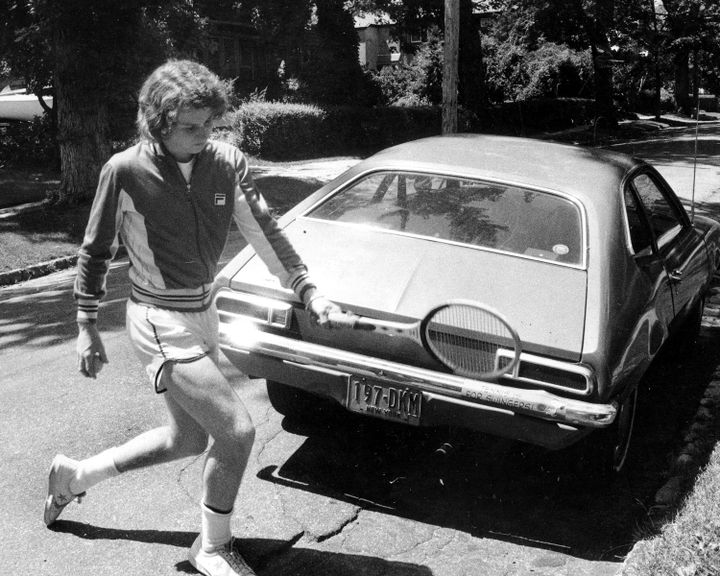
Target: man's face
190	133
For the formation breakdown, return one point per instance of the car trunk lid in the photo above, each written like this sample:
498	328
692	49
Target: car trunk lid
402	277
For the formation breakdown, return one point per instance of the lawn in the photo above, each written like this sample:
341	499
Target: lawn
23	186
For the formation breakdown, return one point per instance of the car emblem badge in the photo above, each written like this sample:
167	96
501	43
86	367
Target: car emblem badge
219	199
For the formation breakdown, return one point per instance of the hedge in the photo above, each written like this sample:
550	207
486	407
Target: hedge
296	131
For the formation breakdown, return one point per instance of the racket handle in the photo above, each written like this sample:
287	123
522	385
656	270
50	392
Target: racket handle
347	320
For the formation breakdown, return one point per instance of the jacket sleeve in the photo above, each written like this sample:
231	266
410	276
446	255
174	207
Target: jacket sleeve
98	247
261	230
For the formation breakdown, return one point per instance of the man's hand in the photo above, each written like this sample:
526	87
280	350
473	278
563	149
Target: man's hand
90	350
319	308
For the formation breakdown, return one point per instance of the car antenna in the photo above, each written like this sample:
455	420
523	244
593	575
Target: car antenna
695	155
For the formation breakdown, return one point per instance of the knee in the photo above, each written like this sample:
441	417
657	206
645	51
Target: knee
185	444
241	432
244	431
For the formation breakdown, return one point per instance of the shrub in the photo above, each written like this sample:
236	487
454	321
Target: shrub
555	71
526	116
29	144
275	130
550	71
418	83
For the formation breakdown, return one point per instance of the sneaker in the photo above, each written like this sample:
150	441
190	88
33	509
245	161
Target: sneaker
59	495
224	561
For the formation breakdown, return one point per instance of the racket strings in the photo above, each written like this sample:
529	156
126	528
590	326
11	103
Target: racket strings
466	339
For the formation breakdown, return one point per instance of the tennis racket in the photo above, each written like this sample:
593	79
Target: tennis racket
464	336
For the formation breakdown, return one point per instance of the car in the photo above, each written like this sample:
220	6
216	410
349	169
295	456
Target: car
18	104
587	255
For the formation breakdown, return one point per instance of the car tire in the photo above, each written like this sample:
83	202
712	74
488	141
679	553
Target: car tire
683	340
605	453
621	432
296	404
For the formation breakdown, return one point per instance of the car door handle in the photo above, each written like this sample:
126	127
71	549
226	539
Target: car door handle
676	275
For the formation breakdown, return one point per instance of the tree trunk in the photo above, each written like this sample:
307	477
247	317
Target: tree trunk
83	141
471	73
450	66
598	18
88	57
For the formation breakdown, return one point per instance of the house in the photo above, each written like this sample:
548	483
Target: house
378	44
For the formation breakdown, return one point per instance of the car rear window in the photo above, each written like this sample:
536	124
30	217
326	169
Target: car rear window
485	214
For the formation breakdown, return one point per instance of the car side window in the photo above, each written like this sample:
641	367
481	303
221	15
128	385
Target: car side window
640	234
662	215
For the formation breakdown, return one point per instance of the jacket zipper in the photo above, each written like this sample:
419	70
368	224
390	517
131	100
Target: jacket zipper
191	199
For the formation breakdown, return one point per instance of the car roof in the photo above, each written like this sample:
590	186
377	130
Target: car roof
587	173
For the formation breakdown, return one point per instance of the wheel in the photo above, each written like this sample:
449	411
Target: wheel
604	453
297	404
687	333
621	432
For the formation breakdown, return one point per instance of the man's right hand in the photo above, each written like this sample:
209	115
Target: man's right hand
90	350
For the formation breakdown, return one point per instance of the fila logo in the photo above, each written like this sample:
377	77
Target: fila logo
219	199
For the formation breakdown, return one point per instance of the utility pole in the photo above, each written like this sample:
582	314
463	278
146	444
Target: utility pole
450	66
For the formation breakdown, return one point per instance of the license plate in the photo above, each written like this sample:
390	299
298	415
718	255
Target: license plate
383	400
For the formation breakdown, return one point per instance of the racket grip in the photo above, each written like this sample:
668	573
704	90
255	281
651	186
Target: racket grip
345	320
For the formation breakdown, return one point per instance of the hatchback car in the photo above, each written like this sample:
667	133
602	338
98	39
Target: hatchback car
588	255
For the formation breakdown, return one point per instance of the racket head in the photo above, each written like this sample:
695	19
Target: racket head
465	336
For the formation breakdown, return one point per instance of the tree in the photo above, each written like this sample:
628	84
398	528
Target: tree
92	55
450	66
333	75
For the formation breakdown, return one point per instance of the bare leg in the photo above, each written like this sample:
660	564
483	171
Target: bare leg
181	437
205	396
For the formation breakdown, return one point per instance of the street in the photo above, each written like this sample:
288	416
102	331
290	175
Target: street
348	496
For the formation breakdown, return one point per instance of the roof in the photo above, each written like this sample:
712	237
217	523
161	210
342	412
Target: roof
537	163
373	19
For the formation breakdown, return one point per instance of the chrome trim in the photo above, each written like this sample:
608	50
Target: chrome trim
272	307
579	369
245	337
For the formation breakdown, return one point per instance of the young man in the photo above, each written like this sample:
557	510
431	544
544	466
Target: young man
171	198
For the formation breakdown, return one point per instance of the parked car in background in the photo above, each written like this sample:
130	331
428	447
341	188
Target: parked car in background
19	105
588	255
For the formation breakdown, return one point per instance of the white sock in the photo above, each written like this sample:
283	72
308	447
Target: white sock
215	530
93	470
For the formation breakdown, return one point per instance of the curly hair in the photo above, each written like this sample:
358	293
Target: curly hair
175	85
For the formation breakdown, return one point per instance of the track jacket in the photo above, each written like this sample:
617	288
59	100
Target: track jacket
175	231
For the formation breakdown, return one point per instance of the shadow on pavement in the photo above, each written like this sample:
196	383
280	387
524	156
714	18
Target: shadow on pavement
42	312
499	489
263	555
90	532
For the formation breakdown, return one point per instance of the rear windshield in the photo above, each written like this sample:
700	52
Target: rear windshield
485	214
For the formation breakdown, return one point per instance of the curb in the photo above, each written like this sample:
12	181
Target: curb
36	271
44	268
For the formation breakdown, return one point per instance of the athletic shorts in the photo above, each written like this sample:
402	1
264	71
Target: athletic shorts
161	336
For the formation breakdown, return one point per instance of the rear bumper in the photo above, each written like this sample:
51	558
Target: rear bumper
534	416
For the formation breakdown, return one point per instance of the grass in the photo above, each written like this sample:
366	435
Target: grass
690	544
22	186
39	236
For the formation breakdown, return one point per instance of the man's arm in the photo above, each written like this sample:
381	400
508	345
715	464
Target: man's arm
97	250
